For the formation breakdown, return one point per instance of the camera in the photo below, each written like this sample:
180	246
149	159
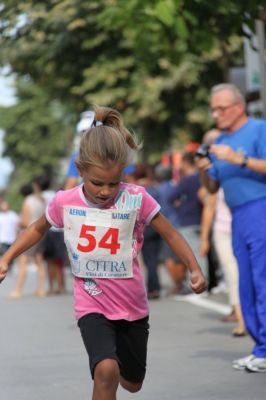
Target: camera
203	150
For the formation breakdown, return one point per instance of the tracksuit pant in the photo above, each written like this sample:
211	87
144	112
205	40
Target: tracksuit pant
249	244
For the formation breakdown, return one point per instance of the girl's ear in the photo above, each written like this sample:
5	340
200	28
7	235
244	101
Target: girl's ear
80	170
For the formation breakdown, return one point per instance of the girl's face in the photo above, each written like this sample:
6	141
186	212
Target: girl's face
101	184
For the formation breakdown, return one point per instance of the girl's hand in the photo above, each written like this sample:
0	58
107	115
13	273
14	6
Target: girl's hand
3	271
197	282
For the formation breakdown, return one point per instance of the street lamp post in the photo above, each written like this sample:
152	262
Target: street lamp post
261	49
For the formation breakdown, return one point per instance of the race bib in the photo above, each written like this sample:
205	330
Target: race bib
99	242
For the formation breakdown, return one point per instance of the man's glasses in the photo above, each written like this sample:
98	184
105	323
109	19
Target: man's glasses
220	109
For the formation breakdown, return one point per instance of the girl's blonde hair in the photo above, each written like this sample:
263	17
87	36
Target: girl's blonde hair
109	141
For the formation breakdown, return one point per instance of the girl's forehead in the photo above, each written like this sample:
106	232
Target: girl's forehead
105	172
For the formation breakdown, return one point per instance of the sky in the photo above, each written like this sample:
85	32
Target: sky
7	98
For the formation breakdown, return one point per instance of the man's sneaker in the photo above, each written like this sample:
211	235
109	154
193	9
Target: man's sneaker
256	365
241	363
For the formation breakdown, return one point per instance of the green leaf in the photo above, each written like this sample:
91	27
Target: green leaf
165	12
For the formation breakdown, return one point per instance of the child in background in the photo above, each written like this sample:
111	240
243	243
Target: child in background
104	220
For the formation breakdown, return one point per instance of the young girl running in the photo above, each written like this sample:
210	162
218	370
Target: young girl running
103	221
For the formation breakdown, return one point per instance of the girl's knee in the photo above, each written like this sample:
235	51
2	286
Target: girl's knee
131	387
106	373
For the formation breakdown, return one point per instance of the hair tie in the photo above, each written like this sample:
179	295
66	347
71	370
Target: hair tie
98	123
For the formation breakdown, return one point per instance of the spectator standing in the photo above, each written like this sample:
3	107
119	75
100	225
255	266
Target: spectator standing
9	223
144	176
216	282
238	165
217	216
186	197
33	206
55	255
54	249
166	186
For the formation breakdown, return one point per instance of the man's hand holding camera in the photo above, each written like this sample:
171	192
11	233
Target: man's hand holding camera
226	153
202	157
221	151
203	163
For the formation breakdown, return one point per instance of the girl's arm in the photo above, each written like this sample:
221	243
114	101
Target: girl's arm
182	250
25	240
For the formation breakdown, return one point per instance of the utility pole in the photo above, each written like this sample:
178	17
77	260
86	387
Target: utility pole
262	65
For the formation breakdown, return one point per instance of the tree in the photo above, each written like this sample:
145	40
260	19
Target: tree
154	60
37	135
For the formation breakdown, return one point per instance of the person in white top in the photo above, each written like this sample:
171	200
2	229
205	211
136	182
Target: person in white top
9	221
33	206
216	217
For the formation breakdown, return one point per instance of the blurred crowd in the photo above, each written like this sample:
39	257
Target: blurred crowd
49	255
183	200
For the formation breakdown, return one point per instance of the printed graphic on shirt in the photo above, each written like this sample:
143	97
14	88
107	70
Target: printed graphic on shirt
128	201
91	287
99	242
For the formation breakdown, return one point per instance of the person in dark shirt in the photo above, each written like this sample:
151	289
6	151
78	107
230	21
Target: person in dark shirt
144	176
173	265
187	200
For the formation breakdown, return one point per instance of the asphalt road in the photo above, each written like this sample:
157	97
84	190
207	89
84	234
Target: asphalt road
189	357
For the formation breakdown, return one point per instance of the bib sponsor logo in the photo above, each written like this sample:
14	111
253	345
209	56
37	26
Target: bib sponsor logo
120	216
76	211
105	266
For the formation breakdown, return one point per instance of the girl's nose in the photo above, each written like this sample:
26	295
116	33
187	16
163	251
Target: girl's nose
105	191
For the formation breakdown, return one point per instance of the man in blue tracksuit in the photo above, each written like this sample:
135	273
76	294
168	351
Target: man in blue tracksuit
237	162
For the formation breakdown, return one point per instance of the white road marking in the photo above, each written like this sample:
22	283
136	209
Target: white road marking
200	301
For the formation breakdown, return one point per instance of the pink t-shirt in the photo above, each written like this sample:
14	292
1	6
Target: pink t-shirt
114	298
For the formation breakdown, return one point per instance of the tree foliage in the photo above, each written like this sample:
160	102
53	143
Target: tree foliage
154	60
36	137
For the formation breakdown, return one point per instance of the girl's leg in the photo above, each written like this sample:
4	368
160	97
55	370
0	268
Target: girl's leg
99	337
106	380
132	342
131	387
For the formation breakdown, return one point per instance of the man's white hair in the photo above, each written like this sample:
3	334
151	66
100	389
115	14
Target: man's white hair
238	96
